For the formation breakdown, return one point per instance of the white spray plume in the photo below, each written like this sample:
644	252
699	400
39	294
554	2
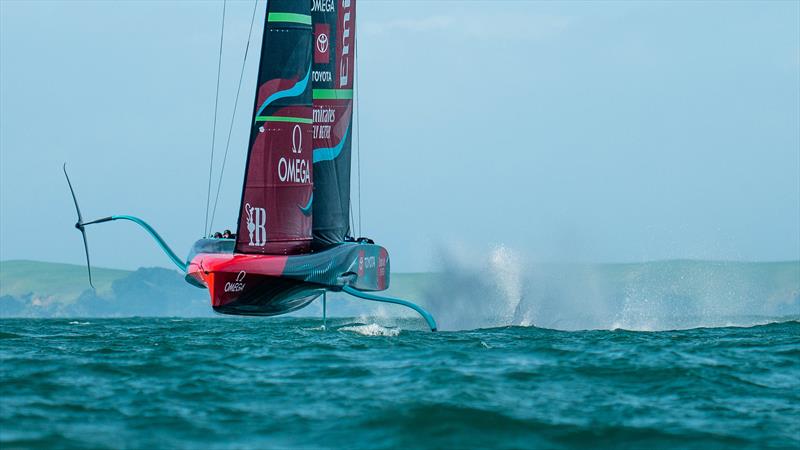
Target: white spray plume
505	289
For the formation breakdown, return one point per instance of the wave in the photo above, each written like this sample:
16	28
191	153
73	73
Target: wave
288	386
4	335
372	329
461	426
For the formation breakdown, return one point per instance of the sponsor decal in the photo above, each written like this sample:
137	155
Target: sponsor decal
294	170
321	76
322	116
322	5
256	225
238	285
345	42
322	43
361	263
297	139
382	266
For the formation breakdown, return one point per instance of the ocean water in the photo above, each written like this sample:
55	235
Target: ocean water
224	383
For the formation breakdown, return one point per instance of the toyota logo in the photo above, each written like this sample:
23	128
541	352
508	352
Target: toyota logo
322	43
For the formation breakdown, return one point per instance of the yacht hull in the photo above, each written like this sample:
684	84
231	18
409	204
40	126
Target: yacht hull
269	285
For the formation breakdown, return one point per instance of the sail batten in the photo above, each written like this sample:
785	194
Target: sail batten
284	119
332	94
303	19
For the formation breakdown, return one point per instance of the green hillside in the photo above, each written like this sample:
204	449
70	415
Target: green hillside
63	282
410	285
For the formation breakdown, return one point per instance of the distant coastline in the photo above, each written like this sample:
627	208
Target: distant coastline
52	290
548	292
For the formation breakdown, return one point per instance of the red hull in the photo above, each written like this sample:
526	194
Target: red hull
246	284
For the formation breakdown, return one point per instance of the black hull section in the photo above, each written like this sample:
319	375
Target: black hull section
271	296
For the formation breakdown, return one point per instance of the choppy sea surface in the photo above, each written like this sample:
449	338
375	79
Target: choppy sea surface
223	383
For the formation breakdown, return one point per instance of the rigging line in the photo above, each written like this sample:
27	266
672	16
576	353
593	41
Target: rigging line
214	129
352	231
358	134
233	116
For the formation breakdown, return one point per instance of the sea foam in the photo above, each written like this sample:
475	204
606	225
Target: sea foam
372	329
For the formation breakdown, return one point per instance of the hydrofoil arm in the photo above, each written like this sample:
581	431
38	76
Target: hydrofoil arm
377	298
151	231
81	225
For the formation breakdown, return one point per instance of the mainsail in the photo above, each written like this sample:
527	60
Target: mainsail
332	80
275	211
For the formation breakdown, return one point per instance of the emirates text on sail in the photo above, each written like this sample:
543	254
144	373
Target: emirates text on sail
344	66
323	115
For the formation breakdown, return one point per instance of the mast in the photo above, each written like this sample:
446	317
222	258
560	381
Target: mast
275	215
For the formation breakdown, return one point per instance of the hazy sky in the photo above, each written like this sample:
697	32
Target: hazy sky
568	131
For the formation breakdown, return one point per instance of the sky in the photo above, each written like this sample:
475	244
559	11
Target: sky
567	131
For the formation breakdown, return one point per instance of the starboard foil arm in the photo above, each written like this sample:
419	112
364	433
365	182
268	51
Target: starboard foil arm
378	298
81	226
